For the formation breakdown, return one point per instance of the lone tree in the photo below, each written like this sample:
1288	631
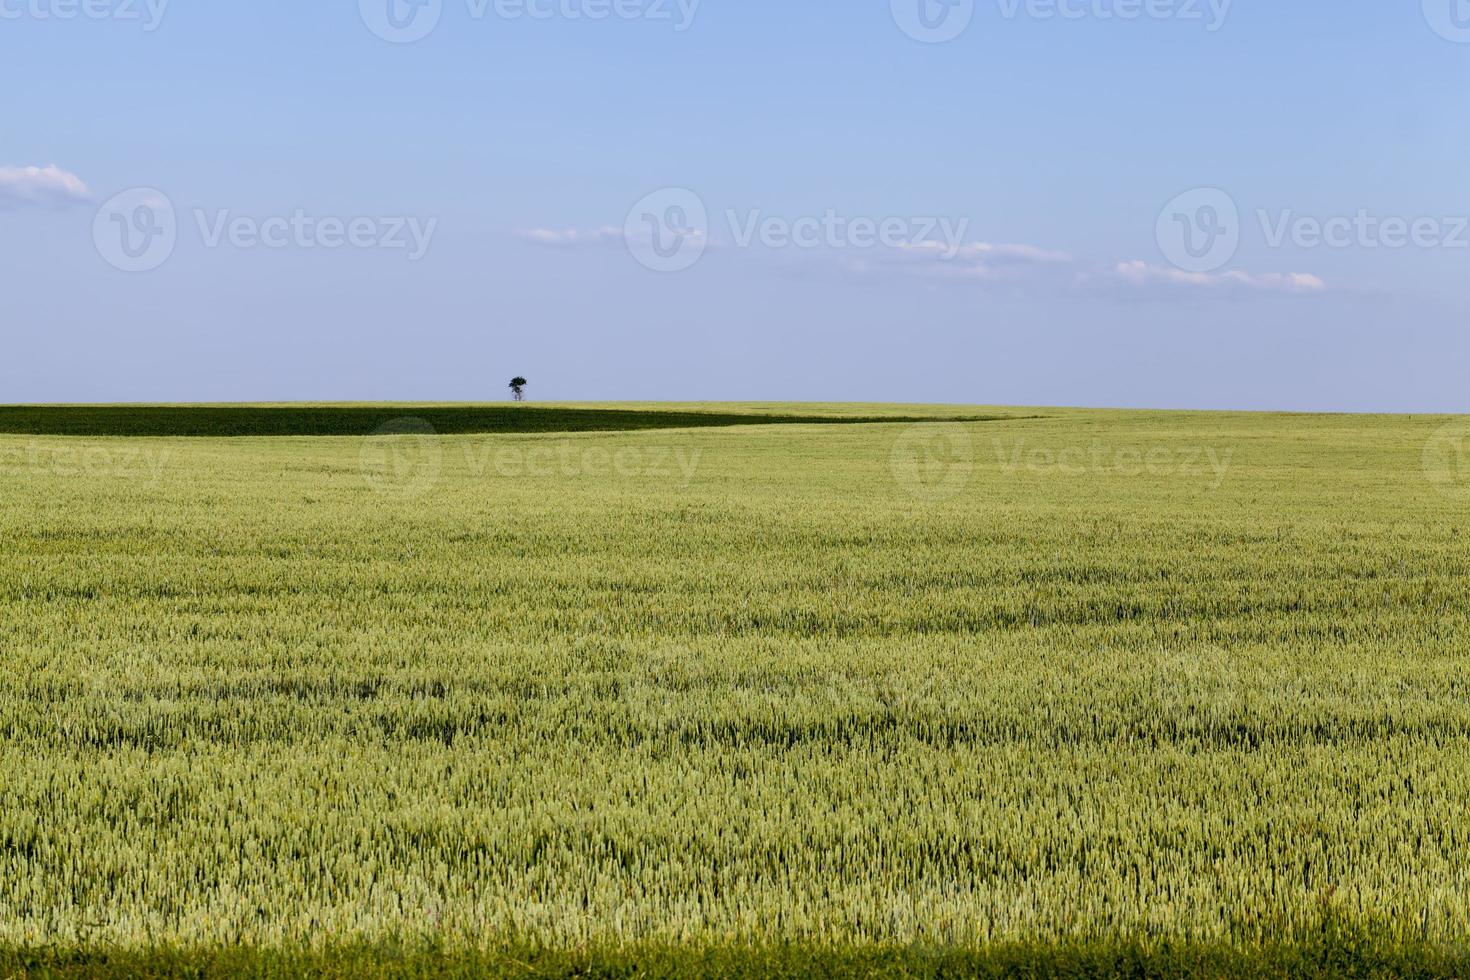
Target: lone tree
518	388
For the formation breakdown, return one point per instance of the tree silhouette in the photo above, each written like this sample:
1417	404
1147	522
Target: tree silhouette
518	387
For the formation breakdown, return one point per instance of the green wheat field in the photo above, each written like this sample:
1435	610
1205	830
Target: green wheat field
732	689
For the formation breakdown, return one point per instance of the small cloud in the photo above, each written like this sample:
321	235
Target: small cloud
41	186
986	252
1015	267
571	237
975	261
1140	273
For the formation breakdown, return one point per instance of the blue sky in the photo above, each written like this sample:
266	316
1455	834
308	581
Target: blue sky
490	174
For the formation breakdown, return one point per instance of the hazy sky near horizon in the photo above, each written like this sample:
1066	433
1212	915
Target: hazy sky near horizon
1164	203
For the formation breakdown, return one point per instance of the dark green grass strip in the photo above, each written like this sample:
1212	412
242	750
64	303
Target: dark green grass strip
362	420
1330	957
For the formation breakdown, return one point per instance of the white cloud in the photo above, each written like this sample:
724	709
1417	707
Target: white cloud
571	237
975	261
1007	265
41	185
987	252
1140	273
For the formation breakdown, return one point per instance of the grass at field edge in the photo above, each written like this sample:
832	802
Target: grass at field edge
1332	956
